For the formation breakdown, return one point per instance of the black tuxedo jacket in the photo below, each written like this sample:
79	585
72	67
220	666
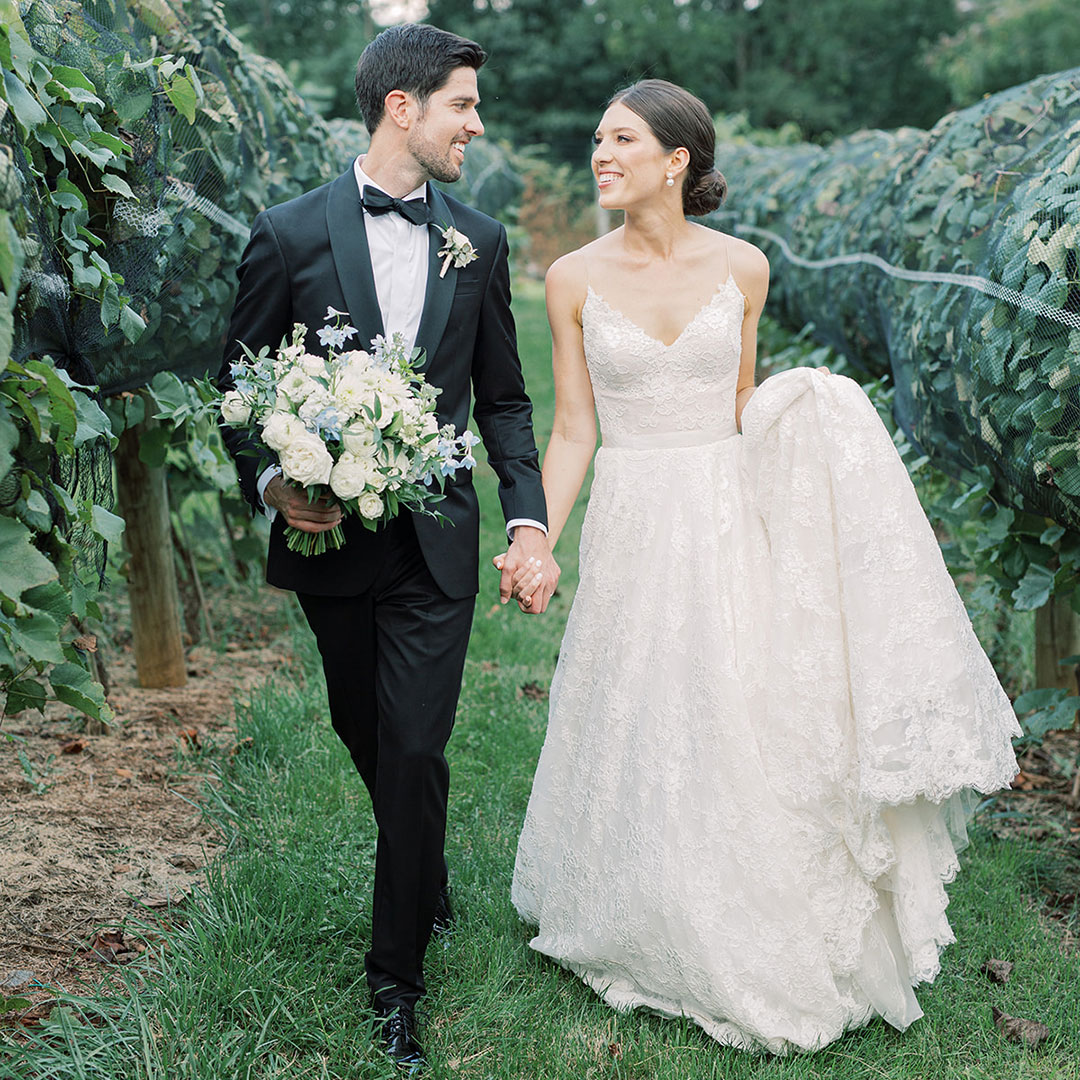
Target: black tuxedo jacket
312	252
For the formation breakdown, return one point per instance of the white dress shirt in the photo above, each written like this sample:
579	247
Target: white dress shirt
399	262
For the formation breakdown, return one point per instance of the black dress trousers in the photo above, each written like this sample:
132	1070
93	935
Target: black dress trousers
393	657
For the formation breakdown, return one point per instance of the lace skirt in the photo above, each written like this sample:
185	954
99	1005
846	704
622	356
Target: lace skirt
707	834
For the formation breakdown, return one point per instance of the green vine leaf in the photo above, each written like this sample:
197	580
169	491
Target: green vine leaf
22	566
26	108
117	184
25	694
181	92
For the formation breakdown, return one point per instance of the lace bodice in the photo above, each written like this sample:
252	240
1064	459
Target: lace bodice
651	395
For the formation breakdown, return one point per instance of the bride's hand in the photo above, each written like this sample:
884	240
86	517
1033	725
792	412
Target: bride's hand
531	584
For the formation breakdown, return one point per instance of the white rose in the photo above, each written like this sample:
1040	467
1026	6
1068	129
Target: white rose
349	476
297	385
306	460
280	429
234	409
353	389
314	404
313	365
359	439
355	360
370	506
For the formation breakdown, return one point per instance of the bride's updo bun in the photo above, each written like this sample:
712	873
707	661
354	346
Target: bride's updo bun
678	118
706	195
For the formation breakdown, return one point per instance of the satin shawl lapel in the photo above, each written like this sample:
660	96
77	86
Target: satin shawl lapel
352	259
439	297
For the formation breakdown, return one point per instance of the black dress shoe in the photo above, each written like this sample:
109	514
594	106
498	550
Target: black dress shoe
396	1030
443	925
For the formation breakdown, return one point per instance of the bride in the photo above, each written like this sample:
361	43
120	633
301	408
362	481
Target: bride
769	709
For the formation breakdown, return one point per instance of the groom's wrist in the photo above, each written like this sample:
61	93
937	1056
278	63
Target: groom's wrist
529	523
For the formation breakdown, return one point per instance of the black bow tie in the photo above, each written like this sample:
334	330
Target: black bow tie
378	202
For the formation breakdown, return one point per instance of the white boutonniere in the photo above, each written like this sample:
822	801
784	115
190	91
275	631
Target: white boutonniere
457	249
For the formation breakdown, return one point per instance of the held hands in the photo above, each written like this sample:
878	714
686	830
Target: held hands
292	503
529	571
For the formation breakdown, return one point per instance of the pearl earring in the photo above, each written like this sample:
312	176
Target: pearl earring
670	180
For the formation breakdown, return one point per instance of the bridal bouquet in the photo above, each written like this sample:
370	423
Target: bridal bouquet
358	425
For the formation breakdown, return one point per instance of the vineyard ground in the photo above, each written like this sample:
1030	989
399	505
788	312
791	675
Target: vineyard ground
103	831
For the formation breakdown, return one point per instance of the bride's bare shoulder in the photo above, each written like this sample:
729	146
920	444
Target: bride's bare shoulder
748	263
573	267
567	278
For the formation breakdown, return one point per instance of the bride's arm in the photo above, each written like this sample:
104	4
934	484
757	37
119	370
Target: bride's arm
751	270
573	434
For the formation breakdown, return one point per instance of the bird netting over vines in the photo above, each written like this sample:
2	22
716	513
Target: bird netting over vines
208	136
951	257
212	134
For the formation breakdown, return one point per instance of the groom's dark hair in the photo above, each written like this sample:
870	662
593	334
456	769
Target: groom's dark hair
412	57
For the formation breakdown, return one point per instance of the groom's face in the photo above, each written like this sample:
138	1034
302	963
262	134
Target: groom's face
444	126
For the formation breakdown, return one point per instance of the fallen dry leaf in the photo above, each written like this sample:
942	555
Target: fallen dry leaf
163	900
125	774
75	746
615	1050
997	970
246	743
1016	1029
190	736
121	868
533	691
1028	781
107	946
182	862
33	1016
86	643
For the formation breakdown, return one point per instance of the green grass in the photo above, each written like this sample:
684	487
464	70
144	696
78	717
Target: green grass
263	976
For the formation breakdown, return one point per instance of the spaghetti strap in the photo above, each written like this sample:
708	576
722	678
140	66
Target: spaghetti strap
731	276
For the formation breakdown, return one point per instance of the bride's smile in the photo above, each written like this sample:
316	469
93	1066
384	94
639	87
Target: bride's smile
629	158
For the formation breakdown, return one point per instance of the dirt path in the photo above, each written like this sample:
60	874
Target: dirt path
102	831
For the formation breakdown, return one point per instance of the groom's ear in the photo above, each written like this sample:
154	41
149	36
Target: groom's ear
400	108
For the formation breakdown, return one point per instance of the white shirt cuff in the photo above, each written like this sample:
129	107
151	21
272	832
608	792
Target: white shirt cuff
515	522
265	477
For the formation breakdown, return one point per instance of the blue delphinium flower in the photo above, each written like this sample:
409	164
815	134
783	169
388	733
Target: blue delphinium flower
328	422
335	336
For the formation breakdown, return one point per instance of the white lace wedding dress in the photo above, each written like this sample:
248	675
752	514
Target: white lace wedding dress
769	706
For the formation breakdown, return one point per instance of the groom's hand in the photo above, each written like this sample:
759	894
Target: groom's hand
292	503
529	572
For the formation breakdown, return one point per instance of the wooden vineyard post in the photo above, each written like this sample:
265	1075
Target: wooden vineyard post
1057	635
155	602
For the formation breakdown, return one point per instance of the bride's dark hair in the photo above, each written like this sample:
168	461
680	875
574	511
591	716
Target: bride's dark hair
678	118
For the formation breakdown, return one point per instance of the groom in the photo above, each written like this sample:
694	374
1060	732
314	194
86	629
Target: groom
392	609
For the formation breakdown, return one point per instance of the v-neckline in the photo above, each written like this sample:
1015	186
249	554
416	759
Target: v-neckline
730	280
